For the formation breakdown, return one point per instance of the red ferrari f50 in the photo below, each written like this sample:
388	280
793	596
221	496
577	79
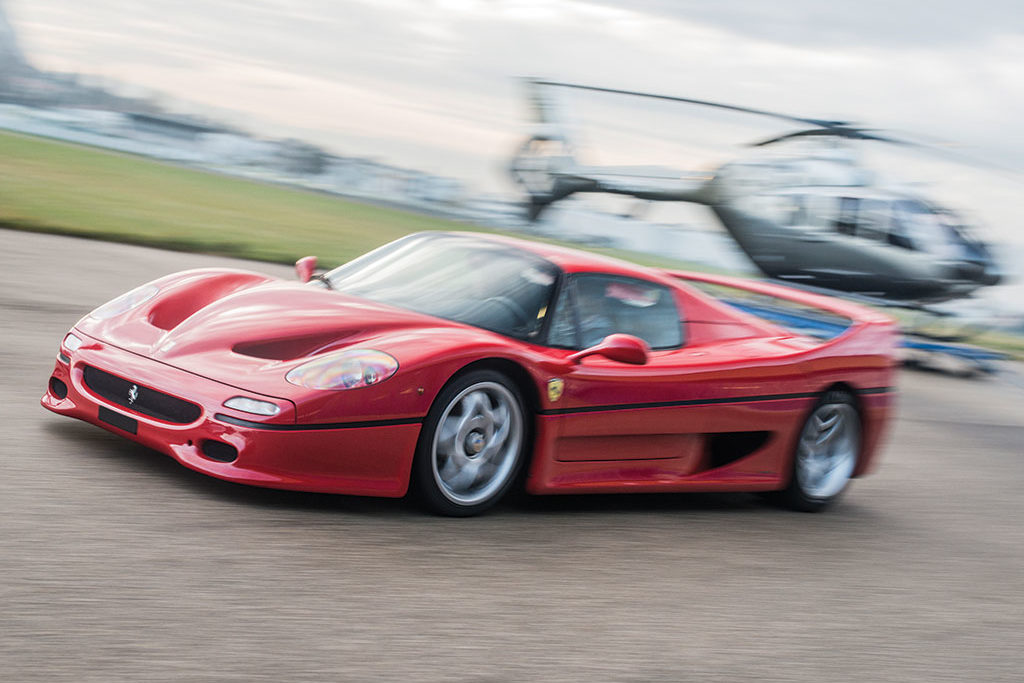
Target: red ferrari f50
452	364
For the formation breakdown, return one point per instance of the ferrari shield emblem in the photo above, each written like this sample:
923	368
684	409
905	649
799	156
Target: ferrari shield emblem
555	388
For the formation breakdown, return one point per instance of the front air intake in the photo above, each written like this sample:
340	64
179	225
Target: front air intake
140	399
219	451
58	388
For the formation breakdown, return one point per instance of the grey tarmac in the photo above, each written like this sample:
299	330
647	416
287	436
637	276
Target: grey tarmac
117	564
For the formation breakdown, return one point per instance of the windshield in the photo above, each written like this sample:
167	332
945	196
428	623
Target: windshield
456	277
924	228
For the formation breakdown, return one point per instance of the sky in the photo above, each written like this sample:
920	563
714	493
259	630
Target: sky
433	84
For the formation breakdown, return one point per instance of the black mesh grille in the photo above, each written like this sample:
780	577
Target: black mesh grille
139	398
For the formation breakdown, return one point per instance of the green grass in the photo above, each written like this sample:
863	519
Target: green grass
56	187
1010	344
62	188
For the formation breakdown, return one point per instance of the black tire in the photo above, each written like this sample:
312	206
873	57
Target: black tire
472	445
826	453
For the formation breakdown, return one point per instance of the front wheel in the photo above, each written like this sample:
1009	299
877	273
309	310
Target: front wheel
826	453
472	444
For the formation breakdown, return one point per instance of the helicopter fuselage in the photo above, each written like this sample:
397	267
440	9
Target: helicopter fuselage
824	224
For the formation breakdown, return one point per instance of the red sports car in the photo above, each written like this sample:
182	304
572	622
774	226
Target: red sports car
456	364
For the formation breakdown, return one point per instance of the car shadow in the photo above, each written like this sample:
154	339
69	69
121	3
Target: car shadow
99	444
102	445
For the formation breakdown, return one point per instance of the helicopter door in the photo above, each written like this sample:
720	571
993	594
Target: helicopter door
846	223
873	219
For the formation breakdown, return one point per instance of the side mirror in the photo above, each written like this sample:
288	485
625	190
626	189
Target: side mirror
304	268
622	348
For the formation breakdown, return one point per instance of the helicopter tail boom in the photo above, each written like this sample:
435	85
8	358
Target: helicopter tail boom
545	165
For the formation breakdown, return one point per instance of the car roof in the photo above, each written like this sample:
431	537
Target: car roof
574	260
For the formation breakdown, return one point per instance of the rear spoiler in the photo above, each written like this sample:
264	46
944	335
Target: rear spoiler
816	315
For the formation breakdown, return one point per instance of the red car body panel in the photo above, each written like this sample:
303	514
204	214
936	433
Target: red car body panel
210	335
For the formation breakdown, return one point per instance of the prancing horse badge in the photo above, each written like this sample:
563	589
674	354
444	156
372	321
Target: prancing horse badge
555	388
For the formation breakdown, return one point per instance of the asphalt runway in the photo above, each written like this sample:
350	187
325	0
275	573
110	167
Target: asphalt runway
118	564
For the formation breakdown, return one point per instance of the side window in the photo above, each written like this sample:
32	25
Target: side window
562	333
608	304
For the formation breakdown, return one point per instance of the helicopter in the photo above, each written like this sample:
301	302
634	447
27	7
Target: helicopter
816	219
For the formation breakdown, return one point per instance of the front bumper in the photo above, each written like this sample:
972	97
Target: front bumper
367	458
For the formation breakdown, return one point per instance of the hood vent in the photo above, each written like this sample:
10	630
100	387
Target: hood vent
297	347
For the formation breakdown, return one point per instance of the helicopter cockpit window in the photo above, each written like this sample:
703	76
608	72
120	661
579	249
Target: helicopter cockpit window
923	228
898	235
969	245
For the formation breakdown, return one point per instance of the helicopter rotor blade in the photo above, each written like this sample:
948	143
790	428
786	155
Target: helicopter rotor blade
824	127
820	123
821	127
851	133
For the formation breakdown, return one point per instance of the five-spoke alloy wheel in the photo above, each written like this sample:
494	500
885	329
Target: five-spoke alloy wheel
826	453
472	444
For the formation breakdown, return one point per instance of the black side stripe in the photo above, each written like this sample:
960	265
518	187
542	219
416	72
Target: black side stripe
316	426
698	402
556	411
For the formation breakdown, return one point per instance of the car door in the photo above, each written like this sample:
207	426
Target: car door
617	411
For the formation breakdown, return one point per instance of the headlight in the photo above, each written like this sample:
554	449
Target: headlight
71	342
349	369
252	405
125	302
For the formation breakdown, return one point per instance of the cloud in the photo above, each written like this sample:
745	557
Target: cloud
817	23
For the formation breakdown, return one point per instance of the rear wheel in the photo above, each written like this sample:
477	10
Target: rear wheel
472	444
826	453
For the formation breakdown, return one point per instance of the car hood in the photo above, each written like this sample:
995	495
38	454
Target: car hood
251	338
